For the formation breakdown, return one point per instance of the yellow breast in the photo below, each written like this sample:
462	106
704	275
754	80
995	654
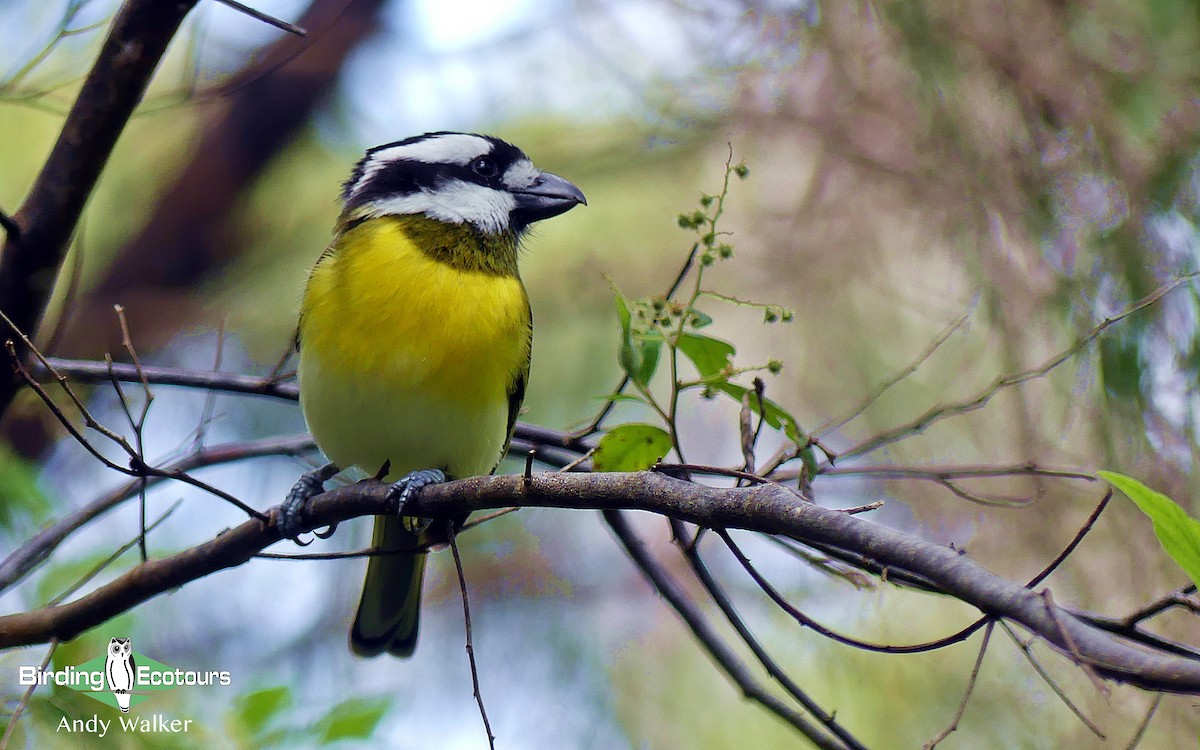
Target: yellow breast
406	358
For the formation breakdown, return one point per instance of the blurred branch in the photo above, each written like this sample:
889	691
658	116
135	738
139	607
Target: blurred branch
187	236
32	255
944	411
545	440
766	508
710	640
42	544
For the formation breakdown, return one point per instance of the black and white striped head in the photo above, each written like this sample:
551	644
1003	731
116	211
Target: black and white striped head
457	178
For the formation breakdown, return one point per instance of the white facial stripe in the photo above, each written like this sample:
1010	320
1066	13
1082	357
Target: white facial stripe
456	201
454	148
521	174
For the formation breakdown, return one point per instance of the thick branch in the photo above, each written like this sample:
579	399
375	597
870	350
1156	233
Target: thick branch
766	508
139	36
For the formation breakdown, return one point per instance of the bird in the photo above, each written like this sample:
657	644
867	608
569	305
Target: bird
414	341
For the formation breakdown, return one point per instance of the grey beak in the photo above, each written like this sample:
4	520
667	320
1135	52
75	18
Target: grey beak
549	195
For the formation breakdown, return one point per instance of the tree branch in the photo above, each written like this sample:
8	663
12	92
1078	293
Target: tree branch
766	508
116	83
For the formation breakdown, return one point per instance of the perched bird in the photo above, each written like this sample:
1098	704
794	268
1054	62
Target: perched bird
414	339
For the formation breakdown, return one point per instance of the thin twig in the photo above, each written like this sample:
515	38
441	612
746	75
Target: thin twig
962	705
210	398
1027	650
939	473
1145	723
808	622
944	411
839	422
1087	526
21	704
41	545
1176	598
725	658
462	586
1071	647
278	23
725	604
139	540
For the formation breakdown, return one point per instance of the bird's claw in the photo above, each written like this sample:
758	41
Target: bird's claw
309	484
405	489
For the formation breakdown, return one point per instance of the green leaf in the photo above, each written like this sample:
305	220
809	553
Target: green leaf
638	355
631	447
626	354
772	413
699	319
709	355
1177	532
355	718
648	354
256	709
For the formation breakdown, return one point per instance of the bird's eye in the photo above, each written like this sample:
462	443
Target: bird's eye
484	167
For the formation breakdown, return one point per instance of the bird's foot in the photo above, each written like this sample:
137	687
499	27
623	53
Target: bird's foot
309	484
407	488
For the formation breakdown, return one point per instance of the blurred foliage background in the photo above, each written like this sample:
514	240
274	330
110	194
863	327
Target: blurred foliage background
1030	165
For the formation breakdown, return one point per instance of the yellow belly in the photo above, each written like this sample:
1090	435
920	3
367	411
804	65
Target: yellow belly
407	359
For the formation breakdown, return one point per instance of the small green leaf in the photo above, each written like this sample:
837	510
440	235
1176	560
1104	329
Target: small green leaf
699	319
1177	532
648	351
256	709
772	413
631	447
639	353
355	718
709	355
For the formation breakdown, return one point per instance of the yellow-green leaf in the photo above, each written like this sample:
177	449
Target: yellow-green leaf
772	413
708	354
1177	532
631	447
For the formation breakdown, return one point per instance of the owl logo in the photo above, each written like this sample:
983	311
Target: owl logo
121	671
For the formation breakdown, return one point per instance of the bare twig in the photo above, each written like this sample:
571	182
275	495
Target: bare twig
462	586
712	642
725	604
39	547
139	541
1177	598
962	706
944	411
1027	651
50	212
1068	641
278	23
839	422
21	705
1145	723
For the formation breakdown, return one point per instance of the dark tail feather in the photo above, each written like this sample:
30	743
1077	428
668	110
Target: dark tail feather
390	608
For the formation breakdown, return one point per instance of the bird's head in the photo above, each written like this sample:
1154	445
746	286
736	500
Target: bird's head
457	178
